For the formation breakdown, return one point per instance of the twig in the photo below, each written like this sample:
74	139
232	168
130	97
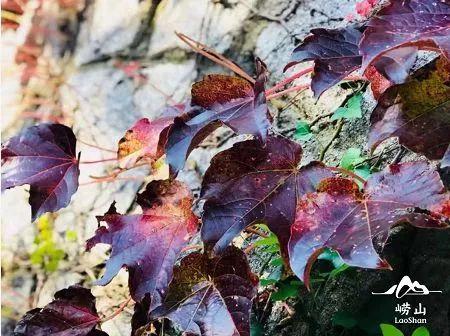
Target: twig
348	172
318	118
98	161
117	312
192	247
96	146
299	88
289	80
398	157
335	135
257	232
213	56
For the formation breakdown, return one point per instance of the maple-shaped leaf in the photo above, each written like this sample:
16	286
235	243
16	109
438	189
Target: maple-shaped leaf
219	100
335	53
211	297
404	23
44	157
71	313
417	112
147	139
249	184
341	217
148	244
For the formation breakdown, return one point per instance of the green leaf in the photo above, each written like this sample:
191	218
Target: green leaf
268	241
277	262
421	331
302	131
273	277
351	158
332	256
390	330
352	109
344	319
71	235
286	290
338	270
256	329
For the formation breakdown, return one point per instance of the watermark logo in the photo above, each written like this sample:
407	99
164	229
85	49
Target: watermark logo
407	287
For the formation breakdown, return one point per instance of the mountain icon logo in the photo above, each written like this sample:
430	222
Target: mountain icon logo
407	287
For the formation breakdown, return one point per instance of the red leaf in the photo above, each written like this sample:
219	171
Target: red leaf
378	83
42	156
342	218
335	54
221	99
417	112
146	139
72	313
211	297
249	184
148	244
422	23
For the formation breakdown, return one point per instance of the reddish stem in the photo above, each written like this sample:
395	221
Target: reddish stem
291	89
192	247
348	173
98	161
95	146
289	80
117	312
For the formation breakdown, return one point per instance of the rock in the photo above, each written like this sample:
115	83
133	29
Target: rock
110	26
210	22
166	83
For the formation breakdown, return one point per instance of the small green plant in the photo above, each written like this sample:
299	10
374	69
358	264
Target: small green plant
390	330
46	253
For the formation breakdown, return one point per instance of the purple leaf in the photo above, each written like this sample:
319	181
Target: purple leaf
218	100
421	23
44	157
148	244
211	297
249	184
417	112
71	313
340	217
147	139
335	54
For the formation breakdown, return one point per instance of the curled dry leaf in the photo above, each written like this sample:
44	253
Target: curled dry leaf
404	23
211	297
147	139
417	112
219	100
341	217
249	184
71	313
148	244
44	157
335	54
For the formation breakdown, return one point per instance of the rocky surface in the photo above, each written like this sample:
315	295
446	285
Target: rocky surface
101	99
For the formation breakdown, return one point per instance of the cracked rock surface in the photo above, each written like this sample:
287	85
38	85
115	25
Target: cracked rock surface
101	99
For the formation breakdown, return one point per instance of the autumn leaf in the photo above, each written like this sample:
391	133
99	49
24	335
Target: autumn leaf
211	297
403	23
335	53
417	112
148	244
71	313
44	157
219	100
249	184
147	139
341	217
